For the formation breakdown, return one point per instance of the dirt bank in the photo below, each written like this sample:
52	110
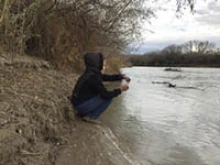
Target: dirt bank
37	123
35	112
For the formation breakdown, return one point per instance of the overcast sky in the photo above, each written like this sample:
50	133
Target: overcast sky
167	29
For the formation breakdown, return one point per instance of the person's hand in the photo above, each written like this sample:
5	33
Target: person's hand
124	88
127	79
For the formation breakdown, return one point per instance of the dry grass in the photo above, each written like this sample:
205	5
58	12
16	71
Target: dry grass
35	113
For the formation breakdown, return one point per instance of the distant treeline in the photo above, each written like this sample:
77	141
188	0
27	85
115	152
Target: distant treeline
191	54
172	60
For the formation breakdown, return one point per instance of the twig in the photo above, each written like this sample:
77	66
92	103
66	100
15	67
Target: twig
24	152
4	122
139	121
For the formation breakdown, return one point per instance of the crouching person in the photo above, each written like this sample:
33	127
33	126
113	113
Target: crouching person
90	98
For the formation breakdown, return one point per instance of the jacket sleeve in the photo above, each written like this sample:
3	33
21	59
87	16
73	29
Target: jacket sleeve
96	84
115	77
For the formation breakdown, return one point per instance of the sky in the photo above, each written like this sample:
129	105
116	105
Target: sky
167	29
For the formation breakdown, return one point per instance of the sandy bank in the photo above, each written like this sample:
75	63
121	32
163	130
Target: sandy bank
37	123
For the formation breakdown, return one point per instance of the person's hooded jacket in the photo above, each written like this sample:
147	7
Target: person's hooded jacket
90	84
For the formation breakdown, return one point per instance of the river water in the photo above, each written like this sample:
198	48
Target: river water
169	126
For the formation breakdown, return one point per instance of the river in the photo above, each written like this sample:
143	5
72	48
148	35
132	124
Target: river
169	126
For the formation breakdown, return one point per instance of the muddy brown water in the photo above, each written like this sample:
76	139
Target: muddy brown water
169	126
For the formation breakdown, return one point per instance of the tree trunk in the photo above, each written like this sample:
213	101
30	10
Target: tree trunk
4	11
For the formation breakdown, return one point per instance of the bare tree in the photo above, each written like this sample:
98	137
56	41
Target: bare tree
200	47
172	49
65	29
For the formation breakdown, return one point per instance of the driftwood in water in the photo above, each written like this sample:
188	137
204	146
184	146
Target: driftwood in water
173	69
170	85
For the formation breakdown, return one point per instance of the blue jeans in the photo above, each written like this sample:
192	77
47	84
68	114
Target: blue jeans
94	107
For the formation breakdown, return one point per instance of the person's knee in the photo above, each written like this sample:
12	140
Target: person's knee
104	99
107	102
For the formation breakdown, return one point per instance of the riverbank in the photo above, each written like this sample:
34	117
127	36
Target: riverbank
37	122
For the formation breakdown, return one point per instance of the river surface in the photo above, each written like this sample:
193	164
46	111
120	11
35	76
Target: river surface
169	126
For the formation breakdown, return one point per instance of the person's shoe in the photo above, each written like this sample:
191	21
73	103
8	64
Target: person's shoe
94	121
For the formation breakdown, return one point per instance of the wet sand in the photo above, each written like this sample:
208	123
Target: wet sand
94	144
